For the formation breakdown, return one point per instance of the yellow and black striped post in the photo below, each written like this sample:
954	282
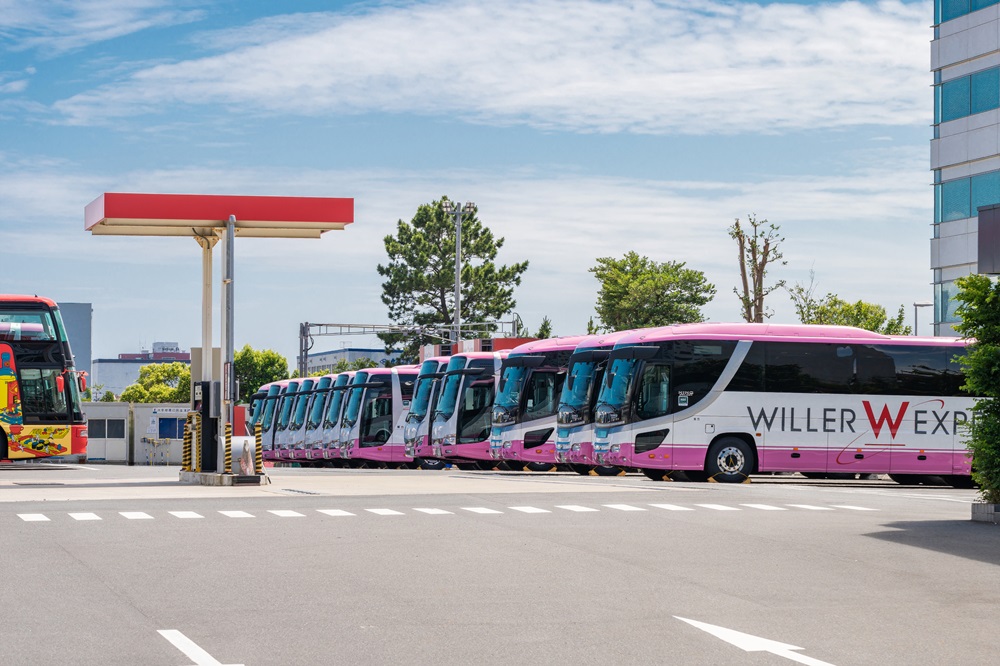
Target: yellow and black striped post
197	436
186	456
227	462
258	456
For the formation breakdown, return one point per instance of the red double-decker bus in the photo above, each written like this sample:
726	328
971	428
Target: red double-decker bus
40	411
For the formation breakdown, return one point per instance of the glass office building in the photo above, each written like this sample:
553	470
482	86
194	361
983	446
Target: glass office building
965	148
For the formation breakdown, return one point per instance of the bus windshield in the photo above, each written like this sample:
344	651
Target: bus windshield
574	404
422	392
354	404
614	390
511	385
29	325
270	404
287	400
318	403
301	403
449	393
335	401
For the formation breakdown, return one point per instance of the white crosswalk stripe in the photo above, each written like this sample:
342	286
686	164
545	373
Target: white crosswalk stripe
528	509
624	507
285	513
435	512
336	512
84	516
33	517
237	514
672	507
853	508
765	507
718	507
385	512
810	507
480	509
135	515
185	514
576	507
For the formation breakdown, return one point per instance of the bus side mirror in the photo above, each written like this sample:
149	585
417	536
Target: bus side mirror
83	382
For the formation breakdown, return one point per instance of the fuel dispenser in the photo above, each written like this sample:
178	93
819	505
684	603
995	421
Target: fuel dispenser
205	400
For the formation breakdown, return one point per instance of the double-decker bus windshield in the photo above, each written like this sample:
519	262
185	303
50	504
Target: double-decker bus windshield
354	403
422	392
449	393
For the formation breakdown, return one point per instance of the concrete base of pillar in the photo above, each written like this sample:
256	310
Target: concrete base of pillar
216	479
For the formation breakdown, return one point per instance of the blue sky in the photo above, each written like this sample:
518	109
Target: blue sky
581	129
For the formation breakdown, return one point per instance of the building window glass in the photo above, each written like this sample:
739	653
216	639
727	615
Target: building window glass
980	4
950	9
944	303
985	191
985	90
955	99
955	200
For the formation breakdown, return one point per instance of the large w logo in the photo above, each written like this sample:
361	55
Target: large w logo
885	418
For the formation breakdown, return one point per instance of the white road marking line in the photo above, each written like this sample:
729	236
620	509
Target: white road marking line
672	507
624	507
576	507
853	508
765	507
84	516
385	512
718	507
236	514
285	513
479	509
190	648
33	517
810	507
185	514
136	515
435	512
529	509
751	643
336	512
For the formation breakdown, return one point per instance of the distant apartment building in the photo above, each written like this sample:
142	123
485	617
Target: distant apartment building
325	361
115	374
965	148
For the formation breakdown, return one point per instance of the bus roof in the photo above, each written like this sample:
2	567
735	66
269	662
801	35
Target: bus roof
603	339
550	344
21	298
473	355
778	332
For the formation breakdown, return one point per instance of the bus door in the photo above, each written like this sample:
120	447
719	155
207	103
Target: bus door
652	428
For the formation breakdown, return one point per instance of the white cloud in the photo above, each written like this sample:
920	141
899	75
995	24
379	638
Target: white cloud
865	234
58	26
585	66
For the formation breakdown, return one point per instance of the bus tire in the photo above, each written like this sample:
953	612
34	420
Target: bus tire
906	479
959	481
657	474
432	464
541	467
582	470
468	466
514	465
730	460
609	470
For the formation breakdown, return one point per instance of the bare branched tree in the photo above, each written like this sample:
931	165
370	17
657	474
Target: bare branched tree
759	246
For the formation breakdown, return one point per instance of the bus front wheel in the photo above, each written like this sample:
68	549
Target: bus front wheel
657	474
609	470
730	460
582	470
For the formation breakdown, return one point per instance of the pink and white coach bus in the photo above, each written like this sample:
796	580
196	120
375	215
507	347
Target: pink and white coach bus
265	410
310	399
372	425
416	432
322	439
460	429
293	417
575	414
524	411
725	400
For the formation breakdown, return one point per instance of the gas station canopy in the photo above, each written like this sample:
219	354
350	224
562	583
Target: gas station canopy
121	214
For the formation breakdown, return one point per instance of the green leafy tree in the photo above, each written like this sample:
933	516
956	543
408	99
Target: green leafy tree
254	368
544	329
979	313
107	396
759	246
343	365
637	292
419	287
833	310
161	382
